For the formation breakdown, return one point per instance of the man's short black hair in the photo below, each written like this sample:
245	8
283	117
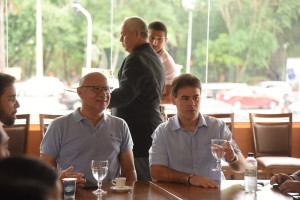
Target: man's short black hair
159	26
5	80
185	80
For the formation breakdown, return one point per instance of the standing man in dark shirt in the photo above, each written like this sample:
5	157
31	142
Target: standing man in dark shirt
141	83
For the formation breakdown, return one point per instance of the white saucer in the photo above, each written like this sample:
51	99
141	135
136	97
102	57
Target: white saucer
122	189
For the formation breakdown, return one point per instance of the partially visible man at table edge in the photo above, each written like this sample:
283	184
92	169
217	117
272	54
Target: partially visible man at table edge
288	183
158	38
24	177
180	150
11	181
8	110
141	82
89	133
8	101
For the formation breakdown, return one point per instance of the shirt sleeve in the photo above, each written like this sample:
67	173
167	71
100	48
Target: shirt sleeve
297	174
170	71
158	152
50	143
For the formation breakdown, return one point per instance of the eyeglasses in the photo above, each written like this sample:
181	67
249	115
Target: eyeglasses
98	89
12	99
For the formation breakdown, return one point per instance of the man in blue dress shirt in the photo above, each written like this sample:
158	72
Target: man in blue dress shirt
180	150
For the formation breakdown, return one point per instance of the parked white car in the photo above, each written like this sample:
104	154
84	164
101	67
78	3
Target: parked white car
40	86
276	89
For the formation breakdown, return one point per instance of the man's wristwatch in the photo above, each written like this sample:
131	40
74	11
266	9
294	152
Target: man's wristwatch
189	179
235	159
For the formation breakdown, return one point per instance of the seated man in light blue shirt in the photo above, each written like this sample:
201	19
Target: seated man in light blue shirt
87	134
181	146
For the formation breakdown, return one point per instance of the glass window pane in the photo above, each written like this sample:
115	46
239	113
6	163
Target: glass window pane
246	53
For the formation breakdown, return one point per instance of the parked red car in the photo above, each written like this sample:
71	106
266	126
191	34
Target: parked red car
247	97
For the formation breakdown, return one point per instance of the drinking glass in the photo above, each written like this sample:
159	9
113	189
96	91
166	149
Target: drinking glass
217	152
99	170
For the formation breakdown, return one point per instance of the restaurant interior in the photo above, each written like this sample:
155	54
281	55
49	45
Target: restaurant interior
246	53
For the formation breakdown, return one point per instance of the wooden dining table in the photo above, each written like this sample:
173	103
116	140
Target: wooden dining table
142	190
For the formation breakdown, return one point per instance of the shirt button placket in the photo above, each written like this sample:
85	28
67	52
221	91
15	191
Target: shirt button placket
194	154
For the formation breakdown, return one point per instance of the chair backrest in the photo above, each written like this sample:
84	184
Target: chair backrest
18	135
228	118
45	120
271	133
170	115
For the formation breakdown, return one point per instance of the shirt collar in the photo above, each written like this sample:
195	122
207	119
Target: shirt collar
78	117
161	52
175	125
142	46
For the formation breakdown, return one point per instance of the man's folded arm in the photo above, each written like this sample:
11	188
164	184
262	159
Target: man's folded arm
163	173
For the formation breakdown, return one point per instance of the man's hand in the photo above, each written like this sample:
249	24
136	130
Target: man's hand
229	152
203	181
290	186
280	178
69	174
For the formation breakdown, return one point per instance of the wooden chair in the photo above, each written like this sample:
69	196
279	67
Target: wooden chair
45	120
272	141
18	134
228	118
170	115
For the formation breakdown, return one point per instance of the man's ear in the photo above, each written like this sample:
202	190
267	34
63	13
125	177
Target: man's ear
173	99
137	33
166	39
79	92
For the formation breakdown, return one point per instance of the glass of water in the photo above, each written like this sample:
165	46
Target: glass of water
217	152
99	170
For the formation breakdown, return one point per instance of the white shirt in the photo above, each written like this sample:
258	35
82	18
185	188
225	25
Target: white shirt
169	66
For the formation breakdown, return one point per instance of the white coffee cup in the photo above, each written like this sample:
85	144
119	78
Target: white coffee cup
119	182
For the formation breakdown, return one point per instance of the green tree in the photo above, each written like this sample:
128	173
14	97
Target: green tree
245	36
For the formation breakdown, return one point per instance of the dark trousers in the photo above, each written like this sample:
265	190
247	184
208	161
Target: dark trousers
142	168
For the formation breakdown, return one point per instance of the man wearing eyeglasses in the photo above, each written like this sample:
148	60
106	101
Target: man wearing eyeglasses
141	82
90	134
8	103
8	110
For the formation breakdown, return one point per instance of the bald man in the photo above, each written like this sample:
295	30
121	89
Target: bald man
89	134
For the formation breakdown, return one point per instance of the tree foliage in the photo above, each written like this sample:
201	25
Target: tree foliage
246	37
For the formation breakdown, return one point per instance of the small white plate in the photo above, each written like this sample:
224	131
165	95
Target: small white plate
122	189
